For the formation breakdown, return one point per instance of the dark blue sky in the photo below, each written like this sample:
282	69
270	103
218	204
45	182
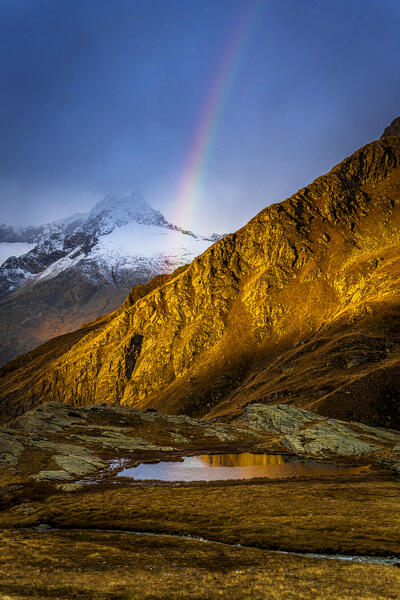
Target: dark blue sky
104	96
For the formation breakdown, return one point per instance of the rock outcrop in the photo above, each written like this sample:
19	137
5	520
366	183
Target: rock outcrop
393	128
64	444
299	306
313	436
56	444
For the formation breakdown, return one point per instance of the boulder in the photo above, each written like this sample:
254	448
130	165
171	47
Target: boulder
327	439
310	435
78	465
53	476
282	418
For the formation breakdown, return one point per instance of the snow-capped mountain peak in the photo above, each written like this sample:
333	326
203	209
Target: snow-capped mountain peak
122	239
114	212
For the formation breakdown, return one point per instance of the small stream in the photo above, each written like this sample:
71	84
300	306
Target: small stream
372	560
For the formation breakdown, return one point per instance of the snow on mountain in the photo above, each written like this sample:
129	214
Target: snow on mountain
133	239
62	274
114	212
148	249
60	265
120	241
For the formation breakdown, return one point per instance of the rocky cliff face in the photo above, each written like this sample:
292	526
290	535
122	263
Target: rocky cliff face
299	306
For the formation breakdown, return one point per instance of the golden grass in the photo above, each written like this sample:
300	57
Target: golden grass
340	517
115	566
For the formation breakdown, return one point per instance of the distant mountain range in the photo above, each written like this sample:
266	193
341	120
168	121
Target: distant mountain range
56	276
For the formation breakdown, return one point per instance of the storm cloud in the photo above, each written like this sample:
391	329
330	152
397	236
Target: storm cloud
104	97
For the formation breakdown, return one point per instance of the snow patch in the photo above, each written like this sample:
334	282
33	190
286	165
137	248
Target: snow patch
66	262
147	241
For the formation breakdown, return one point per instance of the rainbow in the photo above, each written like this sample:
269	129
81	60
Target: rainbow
207	123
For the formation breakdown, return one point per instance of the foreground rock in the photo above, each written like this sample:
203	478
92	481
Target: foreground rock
56	443
310	435
59	445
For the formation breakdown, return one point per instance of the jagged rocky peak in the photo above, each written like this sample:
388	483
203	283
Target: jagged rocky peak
115	211
392	129
117	233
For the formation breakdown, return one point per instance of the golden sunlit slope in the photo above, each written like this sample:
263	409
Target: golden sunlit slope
301	305
34	314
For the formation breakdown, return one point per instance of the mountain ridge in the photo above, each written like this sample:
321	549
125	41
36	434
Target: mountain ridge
249	318
79	233
84	266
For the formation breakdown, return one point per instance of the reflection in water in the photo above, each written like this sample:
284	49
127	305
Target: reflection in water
244	459
217	467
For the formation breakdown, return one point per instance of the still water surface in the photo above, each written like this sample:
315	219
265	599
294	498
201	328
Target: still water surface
217	467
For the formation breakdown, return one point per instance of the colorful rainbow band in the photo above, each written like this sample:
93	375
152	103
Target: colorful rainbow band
206	130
